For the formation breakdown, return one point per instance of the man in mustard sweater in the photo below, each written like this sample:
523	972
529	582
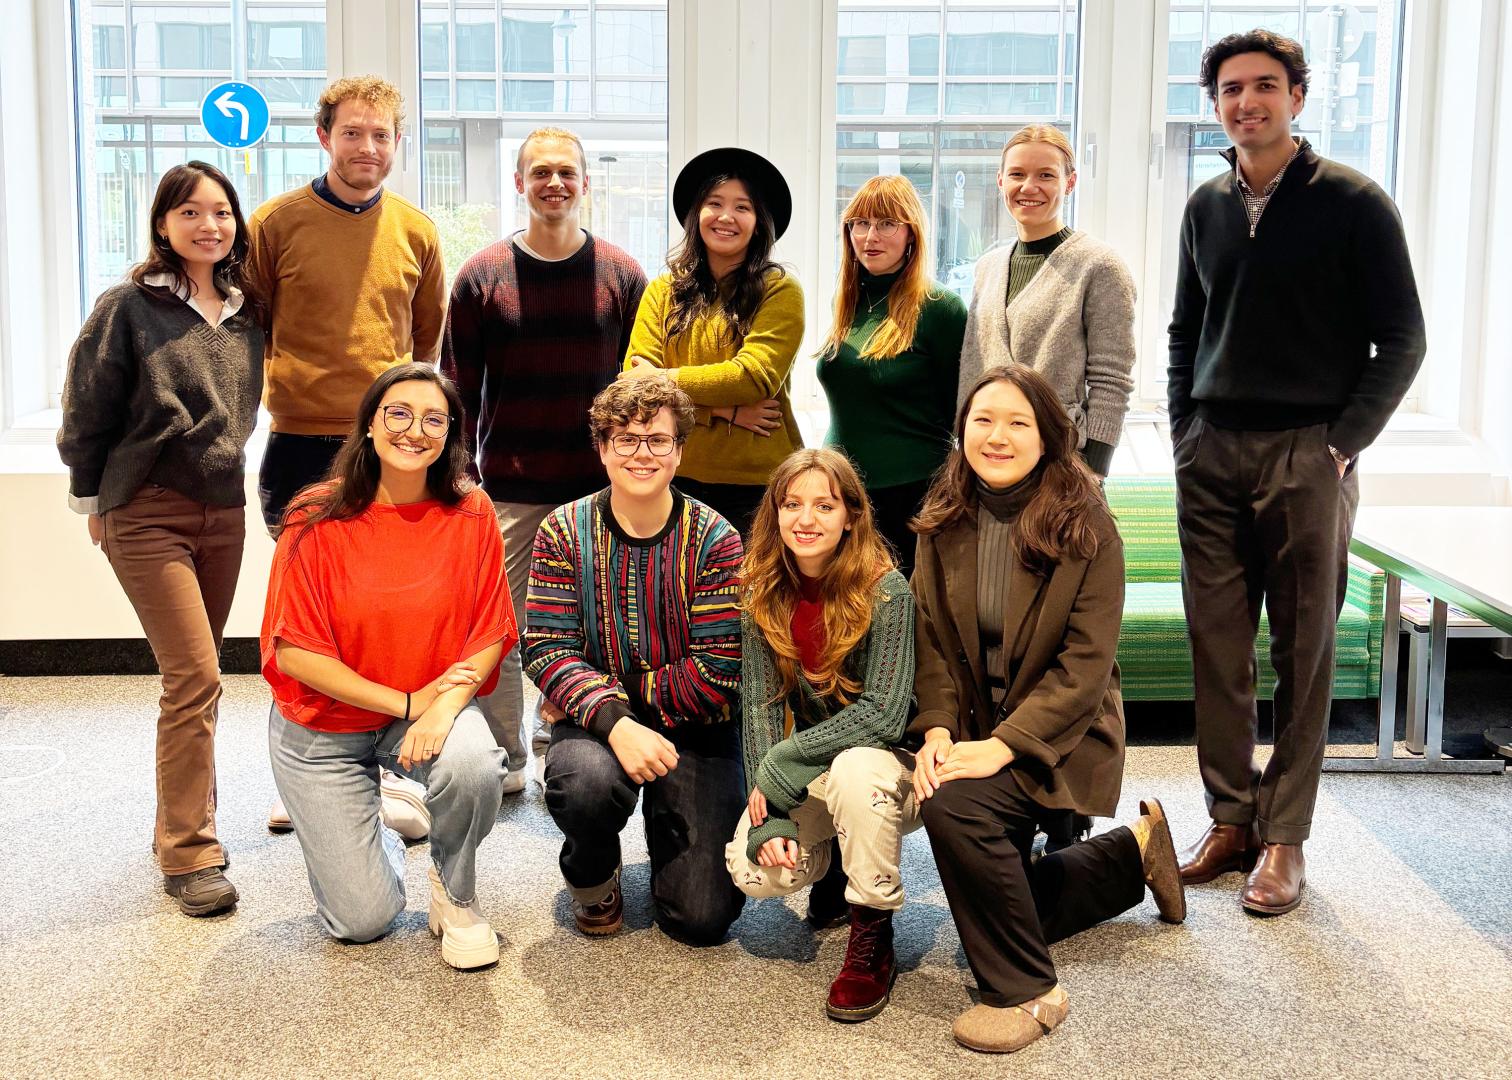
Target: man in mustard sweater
354	284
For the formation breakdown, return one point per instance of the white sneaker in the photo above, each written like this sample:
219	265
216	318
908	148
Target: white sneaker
467	941
514	782
278	817
403	806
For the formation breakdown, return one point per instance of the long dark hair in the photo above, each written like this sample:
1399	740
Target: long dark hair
1058	518
173	190
696	292
352	482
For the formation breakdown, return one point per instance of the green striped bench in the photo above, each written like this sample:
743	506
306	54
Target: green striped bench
1153	653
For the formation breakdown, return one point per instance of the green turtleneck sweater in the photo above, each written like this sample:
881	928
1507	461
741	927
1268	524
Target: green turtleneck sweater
894	416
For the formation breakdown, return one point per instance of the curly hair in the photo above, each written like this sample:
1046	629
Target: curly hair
1280	48
380	94
770	579
637	401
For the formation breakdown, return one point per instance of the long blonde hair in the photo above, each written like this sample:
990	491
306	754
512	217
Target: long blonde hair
770	579
884	197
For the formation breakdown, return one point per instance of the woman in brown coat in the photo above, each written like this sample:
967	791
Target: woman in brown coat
1019	587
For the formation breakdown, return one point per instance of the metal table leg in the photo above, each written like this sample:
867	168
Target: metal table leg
1390	644
1438	647
1417	688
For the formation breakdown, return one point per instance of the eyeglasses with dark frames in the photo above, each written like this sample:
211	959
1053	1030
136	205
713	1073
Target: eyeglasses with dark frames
627	445
401	418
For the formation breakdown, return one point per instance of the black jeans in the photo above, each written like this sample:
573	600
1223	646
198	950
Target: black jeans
289	463
736	503
1007	909
690	815
894	507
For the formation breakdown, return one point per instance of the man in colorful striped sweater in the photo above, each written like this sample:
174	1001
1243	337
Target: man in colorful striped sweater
634	640
539	322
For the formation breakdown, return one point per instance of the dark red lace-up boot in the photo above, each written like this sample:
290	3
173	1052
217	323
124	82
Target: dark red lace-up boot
865	981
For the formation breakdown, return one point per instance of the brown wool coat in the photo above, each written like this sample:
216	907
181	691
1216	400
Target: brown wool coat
1063	716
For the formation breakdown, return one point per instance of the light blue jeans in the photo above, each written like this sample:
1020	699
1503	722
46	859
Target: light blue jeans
329	783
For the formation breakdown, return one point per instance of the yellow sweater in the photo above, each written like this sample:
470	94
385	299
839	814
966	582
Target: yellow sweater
714	373
349	296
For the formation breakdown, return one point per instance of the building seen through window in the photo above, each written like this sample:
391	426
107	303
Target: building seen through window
142	70
932	90
492	71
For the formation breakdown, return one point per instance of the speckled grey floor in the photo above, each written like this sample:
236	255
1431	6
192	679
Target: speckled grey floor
1398	963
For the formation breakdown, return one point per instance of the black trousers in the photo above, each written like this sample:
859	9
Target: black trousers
690	815
894	507
736	503
291	462
1262	516
1007	909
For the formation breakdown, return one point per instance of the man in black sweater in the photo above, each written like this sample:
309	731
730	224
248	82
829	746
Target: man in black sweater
1296	332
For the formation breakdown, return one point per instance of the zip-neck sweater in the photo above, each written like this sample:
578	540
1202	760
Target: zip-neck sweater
894	416
529	343
349	296
1274	325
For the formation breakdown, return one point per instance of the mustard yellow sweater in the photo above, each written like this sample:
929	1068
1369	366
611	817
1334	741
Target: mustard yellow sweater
349	296
715	373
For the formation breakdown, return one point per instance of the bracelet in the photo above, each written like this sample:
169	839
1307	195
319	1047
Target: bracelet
406	705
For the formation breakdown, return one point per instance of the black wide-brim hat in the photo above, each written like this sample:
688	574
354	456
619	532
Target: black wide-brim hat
746	165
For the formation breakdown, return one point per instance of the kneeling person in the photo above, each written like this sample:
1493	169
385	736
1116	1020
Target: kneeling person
387	610
634	640
826	679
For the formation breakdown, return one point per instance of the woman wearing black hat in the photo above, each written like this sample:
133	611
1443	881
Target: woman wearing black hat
726	321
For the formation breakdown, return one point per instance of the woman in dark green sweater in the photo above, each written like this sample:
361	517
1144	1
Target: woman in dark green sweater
892	359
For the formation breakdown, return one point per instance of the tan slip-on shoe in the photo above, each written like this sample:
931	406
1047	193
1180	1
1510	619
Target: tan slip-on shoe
1162	873
992	1030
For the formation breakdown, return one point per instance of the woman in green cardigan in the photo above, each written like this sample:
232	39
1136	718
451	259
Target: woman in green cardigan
725	321
826	681
892	359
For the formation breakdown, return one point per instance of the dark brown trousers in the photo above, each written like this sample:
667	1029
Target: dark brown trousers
178	561
1263	516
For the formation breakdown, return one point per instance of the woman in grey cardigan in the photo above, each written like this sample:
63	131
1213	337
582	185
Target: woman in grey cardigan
1056	299
160	399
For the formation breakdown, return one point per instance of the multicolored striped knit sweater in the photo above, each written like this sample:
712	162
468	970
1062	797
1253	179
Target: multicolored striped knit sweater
646	628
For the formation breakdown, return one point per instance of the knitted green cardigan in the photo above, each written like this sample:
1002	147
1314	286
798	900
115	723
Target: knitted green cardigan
784	768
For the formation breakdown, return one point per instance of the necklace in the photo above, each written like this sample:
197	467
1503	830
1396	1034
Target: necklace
872	305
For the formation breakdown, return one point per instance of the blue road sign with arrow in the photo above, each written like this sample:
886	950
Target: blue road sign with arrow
235	114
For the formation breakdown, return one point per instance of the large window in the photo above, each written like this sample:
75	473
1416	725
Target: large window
491	71
142	70
931	90
1354	53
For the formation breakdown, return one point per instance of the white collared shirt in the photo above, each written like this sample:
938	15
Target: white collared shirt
231	305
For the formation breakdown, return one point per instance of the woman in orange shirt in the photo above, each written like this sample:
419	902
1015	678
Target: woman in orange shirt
387	611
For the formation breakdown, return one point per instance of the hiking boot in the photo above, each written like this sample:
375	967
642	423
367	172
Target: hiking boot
864	984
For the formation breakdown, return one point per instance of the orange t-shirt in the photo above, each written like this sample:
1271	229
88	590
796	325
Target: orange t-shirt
397	593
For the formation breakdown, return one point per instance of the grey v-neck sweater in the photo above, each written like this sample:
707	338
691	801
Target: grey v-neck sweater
1074	324
155	394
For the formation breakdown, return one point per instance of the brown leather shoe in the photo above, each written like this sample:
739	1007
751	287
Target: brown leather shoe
1275	884
1161	872
603	918
1222	849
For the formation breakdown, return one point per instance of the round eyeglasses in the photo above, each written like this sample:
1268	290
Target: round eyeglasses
401	418
628	445
884	226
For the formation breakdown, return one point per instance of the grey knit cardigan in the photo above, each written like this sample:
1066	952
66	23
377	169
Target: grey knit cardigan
1074	324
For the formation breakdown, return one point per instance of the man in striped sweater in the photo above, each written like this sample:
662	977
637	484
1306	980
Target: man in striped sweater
538	324
633	636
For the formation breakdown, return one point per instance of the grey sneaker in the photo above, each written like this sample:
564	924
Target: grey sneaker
202	892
